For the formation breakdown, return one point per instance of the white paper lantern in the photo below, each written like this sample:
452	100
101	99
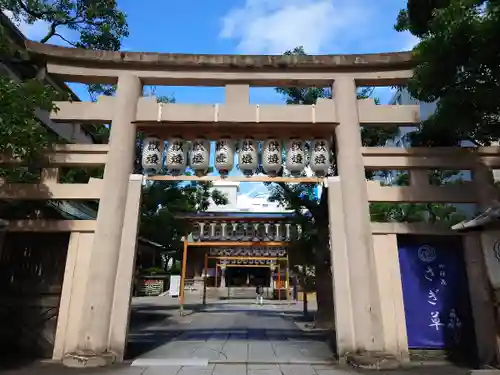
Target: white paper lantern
199	156
248	158
320	157
272	158
247	232
240	232
231	231
176	158
196	231
296	158
152	152
224	156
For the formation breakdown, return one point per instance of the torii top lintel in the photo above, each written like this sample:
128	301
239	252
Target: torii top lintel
116	61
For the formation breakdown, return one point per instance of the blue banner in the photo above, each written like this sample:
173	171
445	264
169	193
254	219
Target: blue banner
435	293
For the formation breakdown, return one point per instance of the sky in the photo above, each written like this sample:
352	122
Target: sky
253	27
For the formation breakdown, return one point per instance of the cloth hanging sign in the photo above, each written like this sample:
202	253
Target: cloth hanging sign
435	293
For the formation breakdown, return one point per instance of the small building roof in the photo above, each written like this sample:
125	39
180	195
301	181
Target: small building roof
488	217
236	216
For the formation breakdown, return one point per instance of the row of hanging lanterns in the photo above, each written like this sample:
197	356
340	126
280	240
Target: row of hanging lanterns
179	155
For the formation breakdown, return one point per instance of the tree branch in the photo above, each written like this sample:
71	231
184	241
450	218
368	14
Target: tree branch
66	40
50	34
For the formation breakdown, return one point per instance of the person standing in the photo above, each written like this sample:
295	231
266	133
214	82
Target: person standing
260	294
294	288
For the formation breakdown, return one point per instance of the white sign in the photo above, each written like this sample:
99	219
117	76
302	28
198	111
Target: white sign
175	285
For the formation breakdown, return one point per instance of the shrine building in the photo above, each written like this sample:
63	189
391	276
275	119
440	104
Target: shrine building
239	246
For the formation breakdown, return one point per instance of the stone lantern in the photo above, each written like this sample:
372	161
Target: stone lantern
320	156
248	158
296	158
199	156
271	156
152	153
176	157
224	155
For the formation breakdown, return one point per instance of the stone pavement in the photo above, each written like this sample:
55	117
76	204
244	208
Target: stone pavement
223	338
232	369
233	332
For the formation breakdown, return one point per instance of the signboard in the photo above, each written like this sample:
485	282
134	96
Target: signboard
435	293
175	286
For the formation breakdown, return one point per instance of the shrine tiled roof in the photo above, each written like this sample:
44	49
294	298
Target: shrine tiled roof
237	214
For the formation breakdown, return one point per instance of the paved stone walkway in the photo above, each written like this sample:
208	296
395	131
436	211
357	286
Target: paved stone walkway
224	338
233	332
231	369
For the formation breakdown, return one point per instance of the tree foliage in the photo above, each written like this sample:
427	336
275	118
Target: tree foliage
457	65
163	201
94	24
21	134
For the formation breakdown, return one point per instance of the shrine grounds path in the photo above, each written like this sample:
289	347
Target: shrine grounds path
235	337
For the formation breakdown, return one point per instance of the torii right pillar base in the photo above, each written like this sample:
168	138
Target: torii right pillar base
373	361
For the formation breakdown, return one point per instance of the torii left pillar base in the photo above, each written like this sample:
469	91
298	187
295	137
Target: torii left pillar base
88	359
75	280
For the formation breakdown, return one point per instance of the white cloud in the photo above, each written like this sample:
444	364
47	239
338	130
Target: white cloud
274	26
321	26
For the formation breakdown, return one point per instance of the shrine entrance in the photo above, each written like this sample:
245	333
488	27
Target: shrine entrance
250	276
228	254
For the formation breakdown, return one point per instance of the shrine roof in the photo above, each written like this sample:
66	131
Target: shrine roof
236	216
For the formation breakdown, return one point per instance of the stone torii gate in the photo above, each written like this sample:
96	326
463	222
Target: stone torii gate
369	311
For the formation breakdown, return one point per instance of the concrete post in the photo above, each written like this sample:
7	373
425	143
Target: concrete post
342	298
93	334
125	274
367	317
483	307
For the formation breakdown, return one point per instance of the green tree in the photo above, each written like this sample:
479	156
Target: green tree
163	201
96	24
457	65
313	214
20	132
